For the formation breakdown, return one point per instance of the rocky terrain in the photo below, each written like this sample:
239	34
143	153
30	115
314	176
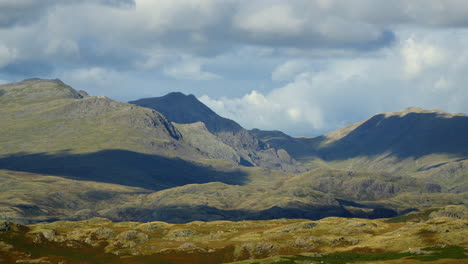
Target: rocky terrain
438	235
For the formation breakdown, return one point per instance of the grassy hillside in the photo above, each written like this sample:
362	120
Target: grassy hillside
263	194
437	235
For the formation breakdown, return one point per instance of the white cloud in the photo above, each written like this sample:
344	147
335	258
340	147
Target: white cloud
288	70
270	19
95	76
348	90
190	70
419	56
7	55
271	111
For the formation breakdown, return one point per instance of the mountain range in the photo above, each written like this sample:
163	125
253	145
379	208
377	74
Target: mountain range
67	155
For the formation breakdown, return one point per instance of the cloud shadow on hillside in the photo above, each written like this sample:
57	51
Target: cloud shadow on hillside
179	214
121	167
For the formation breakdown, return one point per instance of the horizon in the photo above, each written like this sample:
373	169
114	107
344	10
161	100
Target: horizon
408	108
302	67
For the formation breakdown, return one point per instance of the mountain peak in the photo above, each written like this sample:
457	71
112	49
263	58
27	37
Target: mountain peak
187	109
181	96
38	90
418	110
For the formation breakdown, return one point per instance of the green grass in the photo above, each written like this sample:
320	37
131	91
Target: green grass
452	252
423	215
337	258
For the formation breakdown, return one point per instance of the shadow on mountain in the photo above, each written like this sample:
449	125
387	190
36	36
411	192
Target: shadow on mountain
121	167
412	135
185	214
187	109
2	92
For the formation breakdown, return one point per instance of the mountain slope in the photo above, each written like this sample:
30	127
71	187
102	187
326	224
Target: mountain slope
411	133
411	141
49	128
186	109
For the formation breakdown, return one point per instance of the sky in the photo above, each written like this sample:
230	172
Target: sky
300	66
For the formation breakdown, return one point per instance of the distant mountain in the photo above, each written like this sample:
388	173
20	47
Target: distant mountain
408	141
187	109
413	132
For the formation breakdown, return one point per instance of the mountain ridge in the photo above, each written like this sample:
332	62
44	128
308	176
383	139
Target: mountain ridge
413	133
187	109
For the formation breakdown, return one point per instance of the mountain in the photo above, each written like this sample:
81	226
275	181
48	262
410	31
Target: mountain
65	155
411	140
413	132
49	128
187	109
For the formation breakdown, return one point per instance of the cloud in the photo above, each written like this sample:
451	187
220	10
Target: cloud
190	70
21	11
122	34
271	111
25	12
418	56
7	55
277	19
95	76
348	90
288	70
